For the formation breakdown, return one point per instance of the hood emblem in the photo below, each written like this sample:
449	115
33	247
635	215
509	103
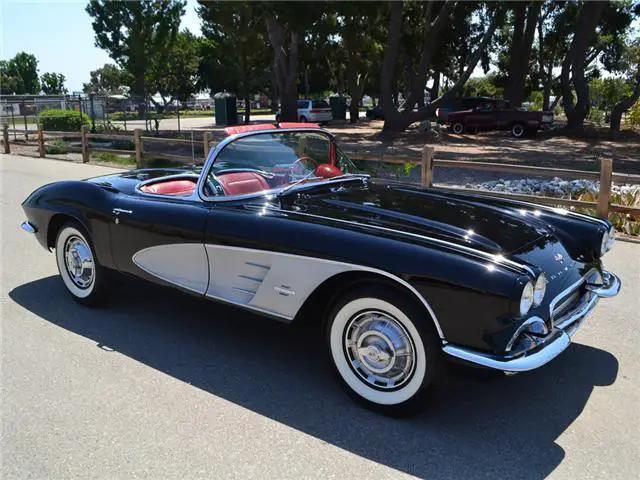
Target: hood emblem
558	257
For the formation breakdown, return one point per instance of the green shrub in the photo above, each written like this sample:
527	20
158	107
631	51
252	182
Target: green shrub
63	120
56	147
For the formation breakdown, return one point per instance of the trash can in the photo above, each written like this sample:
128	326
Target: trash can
225	108
338	107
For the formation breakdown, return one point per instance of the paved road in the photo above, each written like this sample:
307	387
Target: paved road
161	385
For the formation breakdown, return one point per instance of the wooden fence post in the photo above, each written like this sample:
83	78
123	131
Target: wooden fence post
137	133
84	130
206	141
427	166
604	196
5	138
40	141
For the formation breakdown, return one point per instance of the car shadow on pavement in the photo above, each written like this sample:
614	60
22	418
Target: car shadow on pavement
504	427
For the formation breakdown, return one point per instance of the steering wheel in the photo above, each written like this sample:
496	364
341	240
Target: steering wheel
299	160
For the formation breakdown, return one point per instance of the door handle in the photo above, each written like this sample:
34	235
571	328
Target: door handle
117	211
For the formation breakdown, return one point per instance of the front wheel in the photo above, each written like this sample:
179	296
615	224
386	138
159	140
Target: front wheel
517	130
303	119
80	272
384	350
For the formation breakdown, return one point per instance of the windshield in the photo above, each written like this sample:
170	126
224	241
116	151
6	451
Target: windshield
281	158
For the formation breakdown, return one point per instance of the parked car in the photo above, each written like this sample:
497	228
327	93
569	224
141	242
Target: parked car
492	116
466	103
317	111
279	222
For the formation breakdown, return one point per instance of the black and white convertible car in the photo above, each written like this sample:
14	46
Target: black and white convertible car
279	222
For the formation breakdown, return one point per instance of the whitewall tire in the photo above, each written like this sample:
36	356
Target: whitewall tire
517	130
458	128
79	269
384	349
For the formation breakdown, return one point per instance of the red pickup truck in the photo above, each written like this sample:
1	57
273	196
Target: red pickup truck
492	116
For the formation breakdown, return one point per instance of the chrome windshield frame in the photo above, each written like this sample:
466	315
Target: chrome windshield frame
215	152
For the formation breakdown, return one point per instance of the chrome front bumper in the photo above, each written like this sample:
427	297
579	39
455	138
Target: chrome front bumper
553	344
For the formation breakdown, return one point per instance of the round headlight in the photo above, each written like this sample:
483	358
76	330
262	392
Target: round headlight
612	237
539	289
604	244
526	300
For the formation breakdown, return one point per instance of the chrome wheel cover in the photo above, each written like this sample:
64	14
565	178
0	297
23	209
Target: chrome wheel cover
517	130
379	350
78	261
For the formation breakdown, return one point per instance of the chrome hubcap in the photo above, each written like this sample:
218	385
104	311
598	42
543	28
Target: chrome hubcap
379	350
79	261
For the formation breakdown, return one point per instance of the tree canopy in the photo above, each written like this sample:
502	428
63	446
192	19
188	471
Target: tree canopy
53	83
19	75
135	34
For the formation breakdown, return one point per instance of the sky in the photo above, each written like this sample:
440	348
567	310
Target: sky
60	35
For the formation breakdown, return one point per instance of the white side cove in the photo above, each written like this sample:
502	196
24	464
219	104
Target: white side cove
183	264
268	282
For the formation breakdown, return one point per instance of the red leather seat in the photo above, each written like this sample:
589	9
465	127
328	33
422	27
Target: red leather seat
170	187
326	170
239	183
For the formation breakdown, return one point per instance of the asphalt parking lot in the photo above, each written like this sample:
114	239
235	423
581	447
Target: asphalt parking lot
162	385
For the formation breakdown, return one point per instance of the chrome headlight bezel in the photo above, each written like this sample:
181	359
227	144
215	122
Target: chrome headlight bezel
539	289
606	242
526	298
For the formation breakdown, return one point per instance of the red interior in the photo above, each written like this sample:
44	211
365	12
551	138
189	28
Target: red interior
240	183
326	170
171	187
235	183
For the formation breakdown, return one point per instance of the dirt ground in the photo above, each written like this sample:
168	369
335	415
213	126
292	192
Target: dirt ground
546	149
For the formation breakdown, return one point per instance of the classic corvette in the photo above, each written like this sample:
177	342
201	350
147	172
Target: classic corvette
279	222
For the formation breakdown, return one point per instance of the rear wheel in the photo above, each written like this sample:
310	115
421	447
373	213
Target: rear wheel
384	350
457	128
278	118
81	274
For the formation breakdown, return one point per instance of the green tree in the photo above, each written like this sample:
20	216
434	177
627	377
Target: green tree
238	28
630	67
174	73
8	83
107	80
599	31
20	74
287	27
432	36
135	33
53	83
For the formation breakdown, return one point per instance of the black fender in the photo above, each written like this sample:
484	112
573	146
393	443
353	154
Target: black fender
88	204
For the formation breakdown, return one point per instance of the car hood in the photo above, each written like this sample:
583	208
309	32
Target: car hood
433	213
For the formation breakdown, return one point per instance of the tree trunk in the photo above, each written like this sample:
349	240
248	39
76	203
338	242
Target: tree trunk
526	20
286	67
389	64
435	89
399	121
274	91
576	62
621	107
247	108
